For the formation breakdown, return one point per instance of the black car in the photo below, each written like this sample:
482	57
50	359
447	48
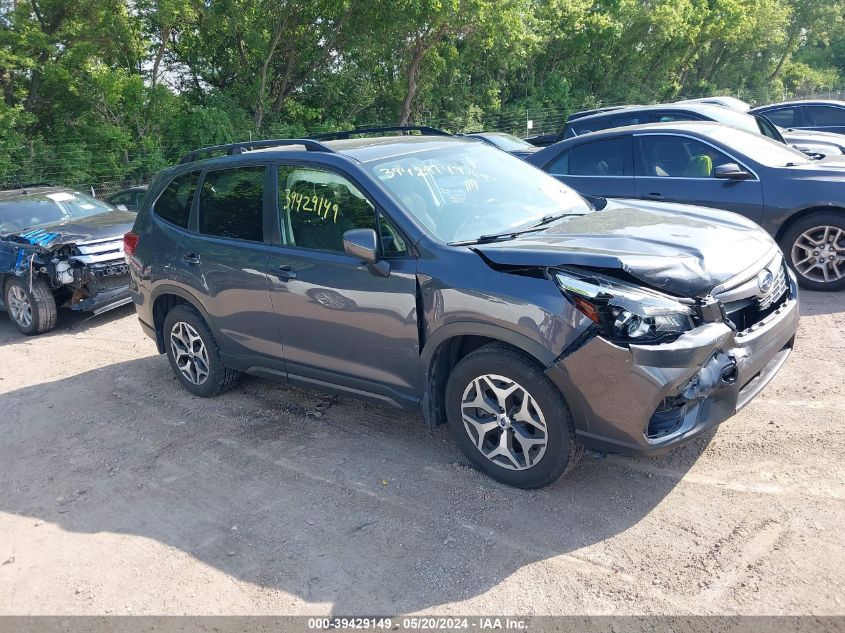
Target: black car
817	146
821	116
128	199
60	247
447	277
800	201
505	142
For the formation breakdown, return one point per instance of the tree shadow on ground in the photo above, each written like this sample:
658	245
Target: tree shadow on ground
332	500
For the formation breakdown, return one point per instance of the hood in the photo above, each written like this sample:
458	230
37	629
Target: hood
828	168
77	231
680	249
807	136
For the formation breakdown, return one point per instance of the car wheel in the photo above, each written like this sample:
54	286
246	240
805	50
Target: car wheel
815	250
34	312
509	418
194	355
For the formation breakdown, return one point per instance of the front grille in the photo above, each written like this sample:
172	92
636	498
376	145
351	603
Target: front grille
744	301
100	251
777	291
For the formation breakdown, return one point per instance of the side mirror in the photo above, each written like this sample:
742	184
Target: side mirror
731	171
363	244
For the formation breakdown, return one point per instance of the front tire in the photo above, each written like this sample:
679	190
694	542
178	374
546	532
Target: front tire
193	354
815	251
509	419
33	312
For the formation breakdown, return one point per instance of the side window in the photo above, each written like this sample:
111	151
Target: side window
392	243
668	117
560	165
174	203
122	198
599	158
783	117
316	207
232	203
678	157
825	116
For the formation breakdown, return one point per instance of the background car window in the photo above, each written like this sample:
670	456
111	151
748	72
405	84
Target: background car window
317	207
232	203
599	158
122	198
678	157
560	165
174	203
825	116
783	117
668	117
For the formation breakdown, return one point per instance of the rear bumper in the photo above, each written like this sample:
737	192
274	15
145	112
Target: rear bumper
648	399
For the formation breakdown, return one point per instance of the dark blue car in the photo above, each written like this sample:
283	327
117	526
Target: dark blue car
799	201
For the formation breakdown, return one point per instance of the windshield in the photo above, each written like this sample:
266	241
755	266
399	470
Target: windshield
41	209
507	142
467	190
760	148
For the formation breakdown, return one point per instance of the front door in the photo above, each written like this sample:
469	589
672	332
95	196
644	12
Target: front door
674	168
340	323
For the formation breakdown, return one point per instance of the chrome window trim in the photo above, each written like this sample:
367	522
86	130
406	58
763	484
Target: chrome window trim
700	140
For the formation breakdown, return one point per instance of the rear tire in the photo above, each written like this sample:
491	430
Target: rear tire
33	312
522	433
193	354
819	236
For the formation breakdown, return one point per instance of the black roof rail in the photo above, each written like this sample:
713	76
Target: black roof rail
230	149
424	130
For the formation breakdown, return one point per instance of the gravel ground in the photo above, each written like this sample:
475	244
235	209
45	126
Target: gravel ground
121	493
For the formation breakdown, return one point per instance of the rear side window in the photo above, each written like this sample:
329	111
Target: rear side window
174	203
825	116
784	117
232	203
599	158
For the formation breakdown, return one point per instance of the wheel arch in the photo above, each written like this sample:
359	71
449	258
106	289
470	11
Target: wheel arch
450	343
803	213
164	299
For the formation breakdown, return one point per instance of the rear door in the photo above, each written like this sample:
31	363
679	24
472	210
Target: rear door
677	168
602	167
341	323
224	260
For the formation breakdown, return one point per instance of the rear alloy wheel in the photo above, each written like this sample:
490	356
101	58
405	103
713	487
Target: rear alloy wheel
194	355
815	250
33	311
509	418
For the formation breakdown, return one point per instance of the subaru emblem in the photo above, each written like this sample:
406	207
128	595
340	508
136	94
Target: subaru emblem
765	280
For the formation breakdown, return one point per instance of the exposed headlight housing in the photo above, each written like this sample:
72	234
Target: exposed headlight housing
626	313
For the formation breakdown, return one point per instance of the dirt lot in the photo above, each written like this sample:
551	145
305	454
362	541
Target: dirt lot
120	493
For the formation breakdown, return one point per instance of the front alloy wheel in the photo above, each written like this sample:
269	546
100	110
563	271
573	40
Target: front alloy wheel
504	422
20	309
819	254
815	250
509	419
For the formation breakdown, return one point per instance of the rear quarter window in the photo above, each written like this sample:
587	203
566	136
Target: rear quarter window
174	203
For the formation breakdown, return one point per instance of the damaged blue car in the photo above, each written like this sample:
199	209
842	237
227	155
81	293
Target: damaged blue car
59	247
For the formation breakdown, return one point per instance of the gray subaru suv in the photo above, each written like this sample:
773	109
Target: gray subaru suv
443	276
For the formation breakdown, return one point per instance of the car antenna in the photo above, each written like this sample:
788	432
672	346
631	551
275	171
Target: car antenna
18	183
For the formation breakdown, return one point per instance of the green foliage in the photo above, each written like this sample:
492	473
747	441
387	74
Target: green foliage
106	93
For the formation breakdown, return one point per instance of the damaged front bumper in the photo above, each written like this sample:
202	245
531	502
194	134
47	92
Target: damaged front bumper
649	398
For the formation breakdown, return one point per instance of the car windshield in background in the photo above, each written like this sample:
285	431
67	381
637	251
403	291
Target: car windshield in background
761	148
463	192
507	142
32	211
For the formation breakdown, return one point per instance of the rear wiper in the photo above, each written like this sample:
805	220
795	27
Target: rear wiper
531	228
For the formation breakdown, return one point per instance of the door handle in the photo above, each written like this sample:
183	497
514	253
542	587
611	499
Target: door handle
653	196
285	273
191	258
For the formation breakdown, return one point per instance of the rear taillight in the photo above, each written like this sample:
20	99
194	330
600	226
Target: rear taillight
130	243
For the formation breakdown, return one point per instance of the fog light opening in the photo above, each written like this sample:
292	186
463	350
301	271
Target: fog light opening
729	375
